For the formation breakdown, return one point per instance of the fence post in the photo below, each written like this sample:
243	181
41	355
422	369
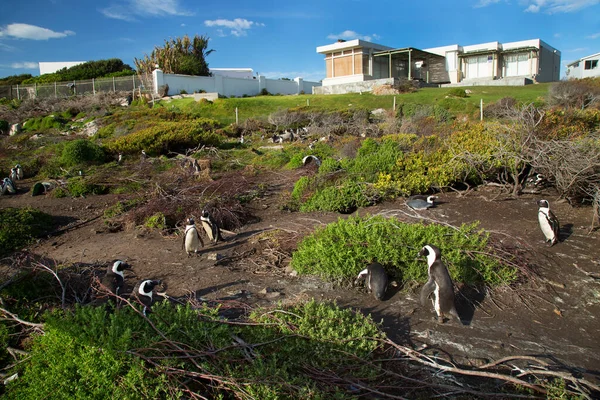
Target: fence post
481	110
93	87
236	116
114	88
394	106
55	92
308	102
133	79
35	89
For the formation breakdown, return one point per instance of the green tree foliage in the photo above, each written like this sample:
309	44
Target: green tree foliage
15	79
88	70
181	55
341	250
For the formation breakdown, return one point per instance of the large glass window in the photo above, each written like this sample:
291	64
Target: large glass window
591	64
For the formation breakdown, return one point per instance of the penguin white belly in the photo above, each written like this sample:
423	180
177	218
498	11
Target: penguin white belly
192	244
545	226
208	230
436	300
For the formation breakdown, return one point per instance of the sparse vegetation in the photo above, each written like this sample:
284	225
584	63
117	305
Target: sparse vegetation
20	226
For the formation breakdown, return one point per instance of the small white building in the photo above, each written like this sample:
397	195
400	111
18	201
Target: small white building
585	67
51	67
245	73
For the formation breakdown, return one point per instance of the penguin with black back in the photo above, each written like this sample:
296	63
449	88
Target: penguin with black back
13	174
376	279
191	238
418	202
8	186
19	171
548	222
114	279
439	287
145	293
210	227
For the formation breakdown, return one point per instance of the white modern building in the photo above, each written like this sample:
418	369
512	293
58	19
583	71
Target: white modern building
356	63
585	67
245	73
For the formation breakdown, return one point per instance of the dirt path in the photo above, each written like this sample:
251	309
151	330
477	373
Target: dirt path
557	317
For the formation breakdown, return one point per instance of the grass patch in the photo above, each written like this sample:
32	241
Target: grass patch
20	226
341	250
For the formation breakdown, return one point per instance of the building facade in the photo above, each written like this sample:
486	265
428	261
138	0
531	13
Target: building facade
527	61
586	67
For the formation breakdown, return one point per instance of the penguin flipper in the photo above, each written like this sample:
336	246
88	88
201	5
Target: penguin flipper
427	289
553	221
199	238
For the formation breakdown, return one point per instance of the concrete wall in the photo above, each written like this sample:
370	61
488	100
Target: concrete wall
227	86
352	87
548	68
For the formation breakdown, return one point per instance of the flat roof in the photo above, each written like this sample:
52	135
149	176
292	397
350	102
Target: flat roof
414	51
583	59
348	44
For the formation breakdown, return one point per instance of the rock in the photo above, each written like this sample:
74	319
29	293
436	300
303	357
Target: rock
14	129
90	129
378	111
214	256
37	136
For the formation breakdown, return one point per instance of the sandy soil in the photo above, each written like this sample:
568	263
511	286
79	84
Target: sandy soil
554	316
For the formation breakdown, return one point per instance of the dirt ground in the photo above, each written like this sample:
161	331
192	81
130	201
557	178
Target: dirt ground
555	316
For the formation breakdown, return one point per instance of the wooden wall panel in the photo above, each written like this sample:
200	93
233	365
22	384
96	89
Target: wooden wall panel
328	67
342	66
358	64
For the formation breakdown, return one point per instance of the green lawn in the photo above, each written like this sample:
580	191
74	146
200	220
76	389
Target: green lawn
260	107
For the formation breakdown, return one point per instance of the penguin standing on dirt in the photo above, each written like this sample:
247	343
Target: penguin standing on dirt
439	287
191	238
376	279
548	222
114	280
13	174
210	227
19	171
420	203
145	293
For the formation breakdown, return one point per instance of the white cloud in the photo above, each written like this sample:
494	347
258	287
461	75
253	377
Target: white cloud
594	36
26	31
349	35
25	65
6	47
557	6
238	27
485	3
128	10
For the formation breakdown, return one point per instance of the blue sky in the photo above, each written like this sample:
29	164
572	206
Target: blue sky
279	38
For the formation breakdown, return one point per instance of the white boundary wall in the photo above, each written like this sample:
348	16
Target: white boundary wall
230	87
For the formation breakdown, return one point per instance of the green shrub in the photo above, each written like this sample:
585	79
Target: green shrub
320	150
457	92
81	151
20	226
91	353
167	136
344	198
120	208
341	250
156	221
79	186
40	124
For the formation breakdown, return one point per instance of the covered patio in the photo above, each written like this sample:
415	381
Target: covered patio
410	63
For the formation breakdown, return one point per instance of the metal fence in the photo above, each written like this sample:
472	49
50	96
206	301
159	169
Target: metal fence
67	89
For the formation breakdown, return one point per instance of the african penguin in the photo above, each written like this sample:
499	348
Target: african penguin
376	279
548	222
120	158
114	279
419	203
439	286
311	159
8	186
145	293
210	227
19	171
13	174
191	238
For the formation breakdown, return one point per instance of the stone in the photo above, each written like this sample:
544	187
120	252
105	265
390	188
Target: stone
90	129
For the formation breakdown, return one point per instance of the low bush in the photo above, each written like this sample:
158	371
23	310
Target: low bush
457	92
156	221
575	93
341	250
91	353
20	226
81	151
167	136
79	186
344	197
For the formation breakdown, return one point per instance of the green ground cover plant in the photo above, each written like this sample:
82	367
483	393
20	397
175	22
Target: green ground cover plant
339	251
20	226
91	353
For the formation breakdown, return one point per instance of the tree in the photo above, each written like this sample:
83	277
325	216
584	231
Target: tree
181	55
